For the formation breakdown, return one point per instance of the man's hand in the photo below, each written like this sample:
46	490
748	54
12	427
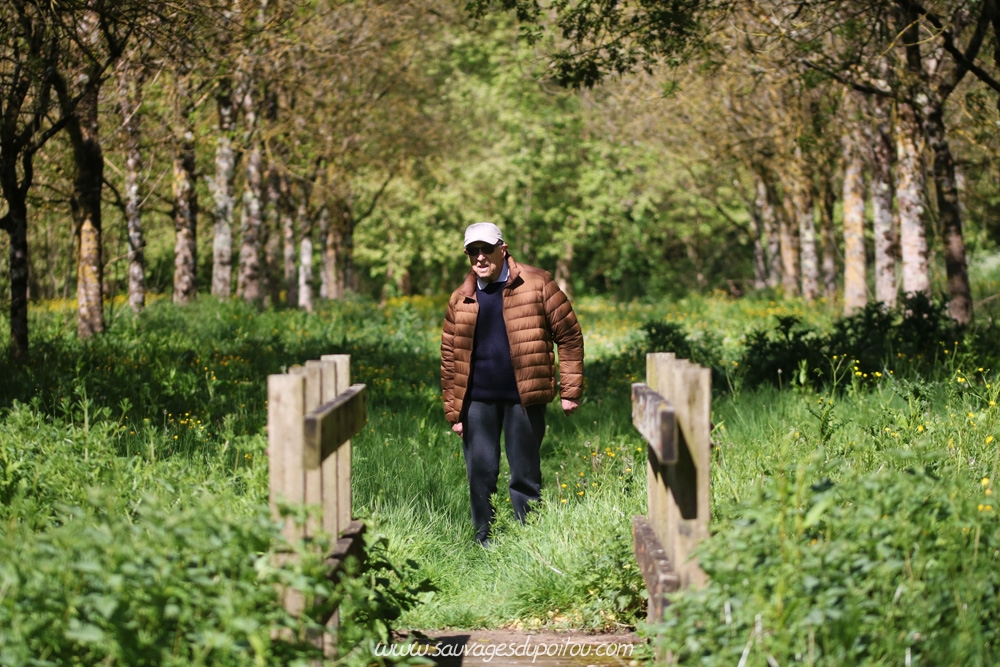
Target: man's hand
569	407
457	428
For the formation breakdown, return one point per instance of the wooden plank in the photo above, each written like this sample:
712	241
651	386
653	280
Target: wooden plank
655	568
654	418
698	382
277	418
332	424
688	478
313	477
679	494
328	466
659	374
285	409
344	490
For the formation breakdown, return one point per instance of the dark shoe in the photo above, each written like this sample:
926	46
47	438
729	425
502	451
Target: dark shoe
484	542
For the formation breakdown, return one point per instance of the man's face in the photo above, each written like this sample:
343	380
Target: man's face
487	260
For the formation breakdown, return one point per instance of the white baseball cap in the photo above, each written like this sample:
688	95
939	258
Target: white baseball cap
485	232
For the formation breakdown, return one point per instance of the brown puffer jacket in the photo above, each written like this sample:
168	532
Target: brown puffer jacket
537	314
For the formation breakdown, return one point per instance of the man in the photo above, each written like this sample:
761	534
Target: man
498	369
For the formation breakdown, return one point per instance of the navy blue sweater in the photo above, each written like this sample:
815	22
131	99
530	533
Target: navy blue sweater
492	376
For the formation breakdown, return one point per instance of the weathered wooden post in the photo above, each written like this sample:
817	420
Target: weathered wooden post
312	412
673	413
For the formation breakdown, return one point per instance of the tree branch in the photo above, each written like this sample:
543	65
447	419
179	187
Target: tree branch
966	60
836	76
119	202
376	196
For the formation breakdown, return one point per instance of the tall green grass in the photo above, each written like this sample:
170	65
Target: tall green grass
852	492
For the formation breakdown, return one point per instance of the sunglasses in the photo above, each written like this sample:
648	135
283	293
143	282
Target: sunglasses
474	250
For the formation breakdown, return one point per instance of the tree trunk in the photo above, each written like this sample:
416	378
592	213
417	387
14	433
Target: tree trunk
223	189
886	249
789	248
759	238
564	270
85	202
338	246
909	197
767	203
802	204
949	212
131	81
185	203
15	222
305	274
855	262
324	235
332	253
270	239
807	247
248	285
828	238
288	242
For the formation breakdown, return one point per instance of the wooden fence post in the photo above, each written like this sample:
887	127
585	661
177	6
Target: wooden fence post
673	413
312	413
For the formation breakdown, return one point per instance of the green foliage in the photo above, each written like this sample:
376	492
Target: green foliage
134	484
856	555
158	586
142	449
633	35
912	339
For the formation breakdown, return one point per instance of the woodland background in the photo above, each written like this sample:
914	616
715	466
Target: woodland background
281	151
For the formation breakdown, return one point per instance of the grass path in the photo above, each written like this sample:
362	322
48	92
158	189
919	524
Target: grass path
567	567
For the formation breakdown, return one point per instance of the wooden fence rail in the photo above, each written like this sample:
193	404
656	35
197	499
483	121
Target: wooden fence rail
673	414
312	412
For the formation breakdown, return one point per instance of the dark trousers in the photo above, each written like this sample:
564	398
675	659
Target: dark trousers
523	430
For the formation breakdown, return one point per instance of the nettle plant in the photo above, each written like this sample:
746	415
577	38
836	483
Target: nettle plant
872	543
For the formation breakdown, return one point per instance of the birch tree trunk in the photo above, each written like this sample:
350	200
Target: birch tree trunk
855	262
802	205
223	192
807	245
131	80
185	201
883	221
248	285
767	205
909	197
85	201
305	276
271	238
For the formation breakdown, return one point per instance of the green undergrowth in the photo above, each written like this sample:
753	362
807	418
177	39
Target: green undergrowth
852	513
850	528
